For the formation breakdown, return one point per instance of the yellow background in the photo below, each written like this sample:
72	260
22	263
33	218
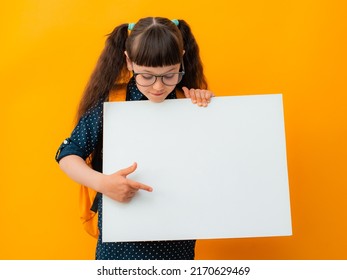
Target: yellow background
49	48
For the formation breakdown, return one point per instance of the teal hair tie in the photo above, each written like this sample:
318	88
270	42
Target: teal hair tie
131	26
175	21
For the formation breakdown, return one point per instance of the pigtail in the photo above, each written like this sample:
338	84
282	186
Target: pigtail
194	77
110	69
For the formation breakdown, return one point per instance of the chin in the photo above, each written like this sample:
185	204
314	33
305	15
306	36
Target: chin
156	100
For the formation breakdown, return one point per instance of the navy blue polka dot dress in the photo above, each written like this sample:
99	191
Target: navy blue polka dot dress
85	139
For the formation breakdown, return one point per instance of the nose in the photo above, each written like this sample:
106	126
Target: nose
158	85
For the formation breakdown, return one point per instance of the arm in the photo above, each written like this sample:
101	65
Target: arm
116	186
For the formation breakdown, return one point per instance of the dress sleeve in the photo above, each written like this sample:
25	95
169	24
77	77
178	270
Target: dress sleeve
85	135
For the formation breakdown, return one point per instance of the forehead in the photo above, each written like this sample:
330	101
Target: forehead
157	70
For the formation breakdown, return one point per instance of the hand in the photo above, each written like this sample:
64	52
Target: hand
201	97
118	187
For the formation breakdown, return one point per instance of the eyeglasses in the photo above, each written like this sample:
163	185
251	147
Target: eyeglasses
168	79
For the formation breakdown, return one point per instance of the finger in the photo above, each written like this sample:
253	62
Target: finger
127	196
139	186
204	97
130	195
133	190
209	94
198	95
126	199
189	93
126	171
186	92
192	95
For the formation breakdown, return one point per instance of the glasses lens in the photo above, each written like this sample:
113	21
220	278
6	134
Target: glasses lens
172	79
145	79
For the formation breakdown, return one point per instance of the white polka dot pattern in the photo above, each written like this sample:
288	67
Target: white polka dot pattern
150	250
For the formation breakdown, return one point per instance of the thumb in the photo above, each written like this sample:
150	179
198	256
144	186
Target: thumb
186	92
126	171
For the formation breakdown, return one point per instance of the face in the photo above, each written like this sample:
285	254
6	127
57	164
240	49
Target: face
158	91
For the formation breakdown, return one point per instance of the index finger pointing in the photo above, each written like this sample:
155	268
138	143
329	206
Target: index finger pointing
139	186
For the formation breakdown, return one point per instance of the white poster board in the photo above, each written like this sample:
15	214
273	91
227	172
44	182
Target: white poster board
216	172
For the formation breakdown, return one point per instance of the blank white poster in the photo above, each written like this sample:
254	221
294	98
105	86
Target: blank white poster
216	172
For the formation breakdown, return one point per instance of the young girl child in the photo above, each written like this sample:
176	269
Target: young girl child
156	59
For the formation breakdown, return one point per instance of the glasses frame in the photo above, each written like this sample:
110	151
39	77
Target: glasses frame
135	74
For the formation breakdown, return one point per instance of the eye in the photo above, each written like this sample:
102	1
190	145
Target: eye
169	76
147	76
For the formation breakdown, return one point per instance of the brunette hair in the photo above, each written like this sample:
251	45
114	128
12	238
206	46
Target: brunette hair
153	42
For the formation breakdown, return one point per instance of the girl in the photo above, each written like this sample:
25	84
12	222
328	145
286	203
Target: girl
156	59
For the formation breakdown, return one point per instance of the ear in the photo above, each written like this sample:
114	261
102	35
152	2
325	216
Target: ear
129	63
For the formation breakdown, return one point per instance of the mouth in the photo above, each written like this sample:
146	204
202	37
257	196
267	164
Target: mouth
157	93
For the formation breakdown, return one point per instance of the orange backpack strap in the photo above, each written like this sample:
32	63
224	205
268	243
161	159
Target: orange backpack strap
88	217
87	195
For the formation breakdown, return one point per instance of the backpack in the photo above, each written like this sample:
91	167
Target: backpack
89	217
